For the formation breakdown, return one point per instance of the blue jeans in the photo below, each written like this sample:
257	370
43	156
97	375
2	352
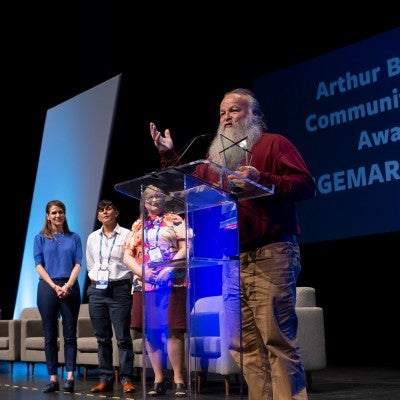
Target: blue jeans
51	308
109	308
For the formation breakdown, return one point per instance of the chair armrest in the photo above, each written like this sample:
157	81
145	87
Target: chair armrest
29	328
11	329
311	336
15	338
9	326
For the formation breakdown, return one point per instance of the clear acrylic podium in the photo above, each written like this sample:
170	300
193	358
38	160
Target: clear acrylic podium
212	276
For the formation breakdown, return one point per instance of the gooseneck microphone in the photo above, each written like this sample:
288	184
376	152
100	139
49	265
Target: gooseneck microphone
187	146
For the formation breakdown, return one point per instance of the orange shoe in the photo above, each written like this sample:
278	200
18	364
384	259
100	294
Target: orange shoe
128	387
102	387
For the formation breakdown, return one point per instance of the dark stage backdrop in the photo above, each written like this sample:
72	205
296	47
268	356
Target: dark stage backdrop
176	78
342	110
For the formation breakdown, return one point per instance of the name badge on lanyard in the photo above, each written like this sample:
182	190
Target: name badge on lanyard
102	278
155	254
103	274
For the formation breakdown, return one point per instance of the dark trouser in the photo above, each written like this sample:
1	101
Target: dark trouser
50	308
109	308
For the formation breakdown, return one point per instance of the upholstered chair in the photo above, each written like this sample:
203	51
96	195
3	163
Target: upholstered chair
32	339
209	345
87	354
10	341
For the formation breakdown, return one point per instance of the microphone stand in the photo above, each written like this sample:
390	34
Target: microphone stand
187	147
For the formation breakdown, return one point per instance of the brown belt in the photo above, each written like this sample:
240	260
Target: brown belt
114	283
281	237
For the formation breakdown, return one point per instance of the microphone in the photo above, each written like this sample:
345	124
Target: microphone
187	146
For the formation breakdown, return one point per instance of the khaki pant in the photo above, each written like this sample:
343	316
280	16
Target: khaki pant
270	354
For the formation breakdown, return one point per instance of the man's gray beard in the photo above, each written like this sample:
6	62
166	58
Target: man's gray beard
235	156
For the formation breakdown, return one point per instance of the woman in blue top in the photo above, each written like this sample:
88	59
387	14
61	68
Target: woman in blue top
58	256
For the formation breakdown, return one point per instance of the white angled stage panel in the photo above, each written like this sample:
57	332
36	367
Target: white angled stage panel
72	158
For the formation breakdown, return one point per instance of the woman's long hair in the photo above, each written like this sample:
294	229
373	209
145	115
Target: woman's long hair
46	230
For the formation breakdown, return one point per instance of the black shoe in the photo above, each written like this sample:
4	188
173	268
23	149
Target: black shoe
51	387
180	390
157	390
69	386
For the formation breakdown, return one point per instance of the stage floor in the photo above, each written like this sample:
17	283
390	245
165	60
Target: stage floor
333	383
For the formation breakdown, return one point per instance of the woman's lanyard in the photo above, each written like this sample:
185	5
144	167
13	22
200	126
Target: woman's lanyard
146	235
154	252
101	250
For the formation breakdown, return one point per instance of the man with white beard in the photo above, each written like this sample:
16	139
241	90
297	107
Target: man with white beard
269	251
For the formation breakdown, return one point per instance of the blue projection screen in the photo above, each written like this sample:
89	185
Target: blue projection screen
72	159
342	111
